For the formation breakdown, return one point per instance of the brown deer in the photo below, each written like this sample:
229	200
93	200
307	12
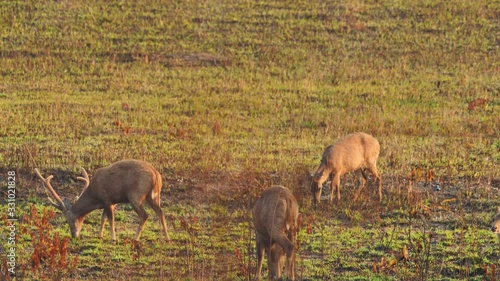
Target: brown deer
495	227
354	152
275	217
126	181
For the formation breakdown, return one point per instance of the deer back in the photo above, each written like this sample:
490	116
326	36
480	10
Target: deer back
277	207
351	152
122	182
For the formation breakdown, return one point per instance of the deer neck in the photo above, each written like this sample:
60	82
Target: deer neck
83	206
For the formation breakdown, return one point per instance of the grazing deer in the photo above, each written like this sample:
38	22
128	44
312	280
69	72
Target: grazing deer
275	217
354	152
495	227
126	181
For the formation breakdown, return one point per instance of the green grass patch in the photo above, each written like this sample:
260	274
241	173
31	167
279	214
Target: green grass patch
226	98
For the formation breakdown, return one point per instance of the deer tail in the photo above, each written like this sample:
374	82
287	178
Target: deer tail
157	184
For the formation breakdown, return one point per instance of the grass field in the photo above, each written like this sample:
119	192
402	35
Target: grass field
225	99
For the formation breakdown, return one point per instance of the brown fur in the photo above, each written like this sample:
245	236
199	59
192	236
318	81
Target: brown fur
495	227
354	152
126	181
275	217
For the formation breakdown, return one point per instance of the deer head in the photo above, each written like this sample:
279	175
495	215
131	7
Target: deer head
75	223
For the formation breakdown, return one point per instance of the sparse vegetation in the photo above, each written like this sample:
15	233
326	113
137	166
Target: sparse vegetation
225	99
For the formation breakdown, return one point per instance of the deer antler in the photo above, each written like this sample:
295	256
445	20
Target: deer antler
85	178
47	184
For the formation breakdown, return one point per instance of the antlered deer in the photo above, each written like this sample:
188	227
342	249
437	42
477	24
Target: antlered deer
495	227
126	181
275	217
354	152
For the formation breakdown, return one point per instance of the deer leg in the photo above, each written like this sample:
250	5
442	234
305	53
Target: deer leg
290	266
276	261
272	267
260	254
361	183
104	218
291	259
336	185
143	216
109	212
332	189
159	212
373	169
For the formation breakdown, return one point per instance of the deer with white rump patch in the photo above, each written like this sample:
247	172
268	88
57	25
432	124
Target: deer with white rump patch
126	181
275	216
354	152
